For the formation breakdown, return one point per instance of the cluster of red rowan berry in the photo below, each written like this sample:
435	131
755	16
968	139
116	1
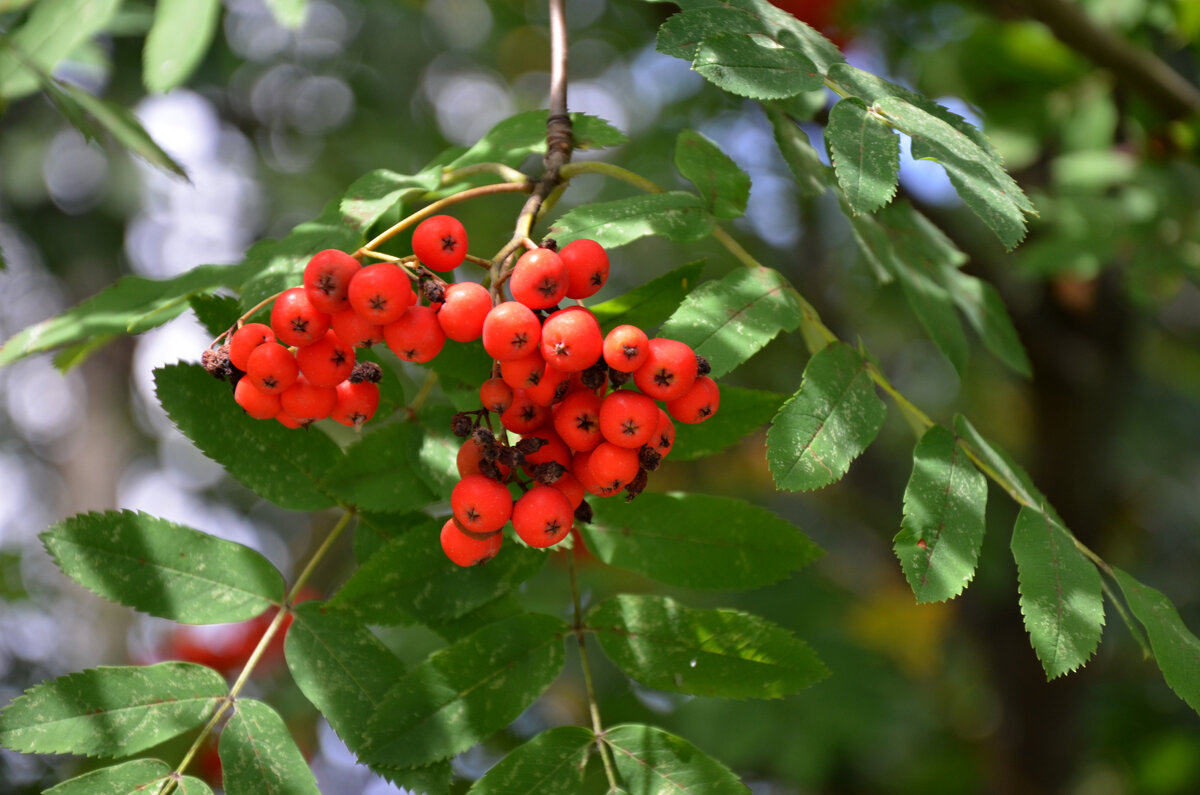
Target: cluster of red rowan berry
558	384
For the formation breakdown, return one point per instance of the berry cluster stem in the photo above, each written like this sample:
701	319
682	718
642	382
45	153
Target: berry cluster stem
588	680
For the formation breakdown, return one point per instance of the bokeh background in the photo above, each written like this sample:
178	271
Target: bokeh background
923	699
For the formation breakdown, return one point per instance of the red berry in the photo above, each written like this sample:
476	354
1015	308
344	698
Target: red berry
523	415
288	421
511	331
555	449
626	348
415	337
296	321
381	293
243	342
542	516
698	403
664	435
525	372
258	404
305	401
463	310
577	420
327	280
581	469
587	267
440	242
356	403
669	370
551	387
327	362
539	279
354	330
571	339
465	550
628	419
495	395
468	458
571	488
480	504
613	467
272	368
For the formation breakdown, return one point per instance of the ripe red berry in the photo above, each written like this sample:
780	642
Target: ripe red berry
288	421
628	419
327	362
587	267
669	370
698	403
272	368
571	488
440	242
468	458
416	336
480	504
381	293
466	550
539	279
296	321
258	404
511	331
555	449
327	280
626	348
354	330
612	466
525	372
571	339
462	312
356	403
551	387
523	415
664	435
305	401
577	420
542	516
495	395
243	342
581	469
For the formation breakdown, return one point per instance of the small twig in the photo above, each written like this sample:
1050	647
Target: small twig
588	681
439	205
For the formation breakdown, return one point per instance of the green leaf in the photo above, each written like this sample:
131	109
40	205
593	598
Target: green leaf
374	193
164	569
1176	648
374	530
871	88
682	33
652	762
462	694
111	712
985	311
944	507
753	66
1022	489
742	412
376	473
53	30
217	313
124	127
127	778
726	653
289	13
428	780
283	465
697	540
675	215
830	421
724	187
812	176
730	320
130	306
177	42
190	785
410	579
652	303
517	137
866	155
550	764
258	754
791	32
1061	596
982	183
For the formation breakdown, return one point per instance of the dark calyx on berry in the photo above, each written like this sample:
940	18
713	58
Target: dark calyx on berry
636	486
549	473
584	512
461	425
702	365
366	371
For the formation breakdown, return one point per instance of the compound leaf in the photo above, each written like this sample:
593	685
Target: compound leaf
751	65
1021	487
283	465
127	778
550	764
650	304
942	530
730	320
111	711
124	127
177	41
724	187
726	653
742	412
258	754
53	30
462	694
164	569
812	176
823	427
697	540
866	155
675	215
1061	596
374	193
652	762
376	472
985	311
1176	648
